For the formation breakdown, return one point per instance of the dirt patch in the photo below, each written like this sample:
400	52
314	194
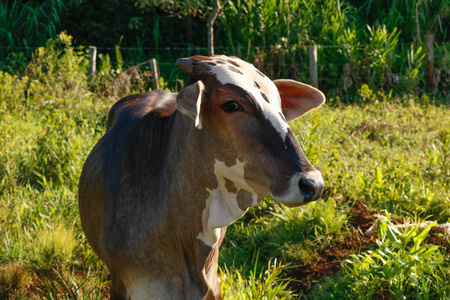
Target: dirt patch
329	263
438	236
361	218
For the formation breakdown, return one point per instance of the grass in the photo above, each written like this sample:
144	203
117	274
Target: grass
392	152
258	285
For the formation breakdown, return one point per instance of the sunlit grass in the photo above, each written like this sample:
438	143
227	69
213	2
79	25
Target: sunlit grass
258	285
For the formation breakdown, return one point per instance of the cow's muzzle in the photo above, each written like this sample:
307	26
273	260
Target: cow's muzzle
311	187
302	188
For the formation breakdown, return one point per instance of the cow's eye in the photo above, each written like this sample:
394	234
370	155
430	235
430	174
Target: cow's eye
231	106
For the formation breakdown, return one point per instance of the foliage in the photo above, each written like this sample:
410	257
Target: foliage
384	50
28	24
48	121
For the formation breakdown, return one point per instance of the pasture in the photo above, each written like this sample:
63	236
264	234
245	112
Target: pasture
384	158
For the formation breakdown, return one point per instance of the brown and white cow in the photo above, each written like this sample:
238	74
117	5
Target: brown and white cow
173	171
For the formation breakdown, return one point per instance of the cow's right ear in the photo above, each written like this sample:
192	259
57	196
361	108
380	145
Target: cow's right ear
298	98
189	101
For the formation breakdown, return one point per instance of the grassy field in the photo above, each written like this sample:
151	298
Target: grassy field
388	156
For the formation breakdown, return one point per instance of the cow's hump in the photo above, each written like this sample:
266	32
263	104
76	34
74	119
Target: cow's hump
138	105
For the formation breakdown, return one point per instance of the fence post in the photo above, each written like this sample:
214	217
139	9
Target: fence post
430	67
313	65
92	60
155	73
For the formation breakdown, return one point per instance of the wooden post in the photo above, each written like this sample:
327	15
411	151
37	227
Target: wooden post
313	65
430	67
155	73
92	60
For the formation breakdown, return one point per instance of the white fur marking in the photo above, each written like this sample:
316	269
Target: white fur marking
145	289
222	208
246	81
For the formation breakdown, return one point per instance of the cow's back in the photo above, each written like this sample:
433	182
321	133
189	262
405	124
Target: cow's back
138	105
118	155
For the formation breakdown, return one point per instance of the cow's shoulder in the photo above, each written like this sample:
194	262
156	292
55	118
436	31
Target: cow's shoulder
139	105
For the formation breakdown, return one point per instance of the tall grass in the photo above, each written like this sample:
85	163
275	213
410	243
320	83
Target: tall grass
26	25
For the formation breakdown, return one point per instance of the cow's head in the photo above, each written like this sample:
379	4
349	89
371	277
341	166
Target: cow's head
245	114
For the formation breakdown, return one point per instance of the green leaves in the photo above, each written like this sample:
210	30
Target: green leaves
378	177
400	262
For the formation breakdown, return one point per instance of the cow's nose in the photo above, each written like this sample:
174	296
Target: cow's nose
311	188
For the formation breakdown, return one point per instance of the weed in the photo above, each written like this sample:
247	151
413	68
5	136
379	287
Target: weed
259	285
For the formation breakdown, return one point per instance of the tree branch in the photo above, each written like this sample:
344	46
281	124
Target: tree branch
211	20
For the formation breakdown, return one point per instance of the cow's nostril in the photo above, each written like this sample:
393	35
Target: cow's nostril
307	188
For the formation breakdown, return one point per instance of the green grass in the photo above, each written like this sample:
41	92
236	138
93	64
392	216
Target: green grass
392	152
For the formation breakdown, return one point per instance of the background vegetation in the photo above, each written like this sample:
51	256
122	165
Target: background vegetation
382	145
378	43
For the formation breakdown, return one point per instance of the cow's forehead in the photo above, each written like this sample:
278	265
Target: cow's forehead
228	70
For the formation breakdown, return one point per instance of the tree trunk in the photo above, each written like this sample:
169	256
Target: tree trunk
211	20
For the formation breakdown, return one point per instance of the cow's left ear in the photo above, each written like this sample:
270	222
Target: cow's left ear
189	102
298	98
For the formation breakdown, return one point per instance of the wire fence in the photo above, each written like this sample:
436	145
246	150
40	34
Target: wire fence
166	56
170	48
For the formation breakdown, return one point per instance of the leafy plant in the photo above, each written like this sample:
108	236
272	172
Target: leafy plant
401	265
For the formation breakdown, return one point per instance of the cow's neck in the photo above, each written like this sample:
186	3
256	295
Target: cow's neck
193	194
199	185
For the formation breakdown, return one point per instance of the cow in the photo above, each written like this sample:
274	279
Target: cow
172	171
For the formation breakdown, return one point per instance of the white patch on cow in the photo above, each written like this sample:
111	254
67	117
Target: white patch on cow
222	208
146	289
247	81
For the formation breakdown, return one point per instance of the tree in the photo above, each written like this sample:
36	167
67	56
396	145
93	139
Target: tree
187	9
211	20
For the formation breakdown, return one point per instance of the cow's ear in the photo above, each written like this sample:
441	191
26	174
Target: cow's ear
189	101
298	98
